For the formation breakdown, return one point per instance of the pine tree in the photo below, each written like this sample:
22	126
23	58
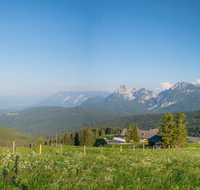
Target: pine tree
40	140
72	138
81	136
96	132
89	137
180	135
67	139
59	139
166	129
77	139
128	134
172	130
135	134
101	132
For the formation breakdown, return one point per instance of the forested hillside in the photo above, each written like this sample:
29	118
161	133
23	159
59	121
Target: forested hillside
120	108
150	121
48	121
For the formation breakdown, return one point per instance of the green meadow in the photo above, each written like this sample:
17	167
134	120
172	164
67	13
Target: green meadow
141	169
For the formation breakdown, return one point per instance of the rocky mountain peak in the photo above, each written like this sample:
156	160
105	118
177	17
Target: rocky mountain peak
123	89
180	85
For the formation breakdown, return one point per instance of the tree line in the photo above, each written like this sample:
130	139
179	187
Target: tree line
87	136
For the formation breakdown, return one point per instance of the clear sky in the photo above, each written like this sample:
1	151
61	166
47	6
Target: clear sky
47	46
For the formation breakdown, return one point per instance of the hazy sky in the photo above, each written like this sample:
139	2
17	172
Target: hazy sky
48	46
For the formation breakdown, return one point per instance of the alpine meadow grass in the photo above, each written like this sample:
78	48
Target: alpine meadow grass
148	169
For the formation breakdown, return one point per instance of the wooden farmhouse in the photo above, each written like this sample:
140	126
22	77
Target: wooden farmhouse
144	134
152	138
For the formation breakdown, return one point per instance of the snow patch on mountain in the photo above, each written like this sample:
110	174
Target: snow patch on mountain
68	97
152	107
166	104
80	96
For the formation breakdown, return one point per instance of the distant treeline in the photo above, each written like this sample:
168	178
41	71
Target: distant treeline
87	136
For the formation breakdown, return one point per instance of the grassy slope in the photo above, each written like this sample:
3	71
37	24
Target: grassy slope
47	121
148	169
9	135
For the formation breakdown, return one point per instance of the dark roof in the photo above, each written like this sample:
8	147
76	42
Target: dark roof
194	139
144	134
147	134
155	138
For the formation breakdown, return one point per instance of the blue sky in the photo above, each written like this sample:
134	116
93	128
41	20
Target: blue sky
47	46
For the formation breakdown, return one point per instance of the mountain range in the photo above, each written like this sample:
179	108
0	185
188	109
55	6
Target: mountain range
69	98
183	96
96	108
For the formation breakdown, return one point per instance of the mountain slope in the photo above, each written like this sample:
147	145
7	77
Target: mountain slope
47	121
180	97
7	134
123	107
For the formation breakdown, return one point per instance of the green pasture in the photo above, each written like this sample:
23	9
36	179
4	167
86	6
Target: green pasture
142	169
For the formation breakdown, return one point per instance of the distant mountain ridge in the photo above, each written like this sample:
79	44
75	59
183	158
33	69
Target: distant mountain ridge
182	96
70	99
127	93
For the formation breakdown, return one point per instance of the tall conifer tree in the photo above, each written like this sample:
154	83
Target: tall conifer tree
128	134
172	130
135	134
180	135
67	139
166	129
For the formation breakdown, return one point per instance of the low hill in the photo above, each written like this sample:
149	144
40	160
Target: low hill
7	136
48	121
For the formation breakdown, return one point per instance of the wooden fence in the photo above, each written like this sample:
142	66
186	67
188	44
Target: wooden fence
119	148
